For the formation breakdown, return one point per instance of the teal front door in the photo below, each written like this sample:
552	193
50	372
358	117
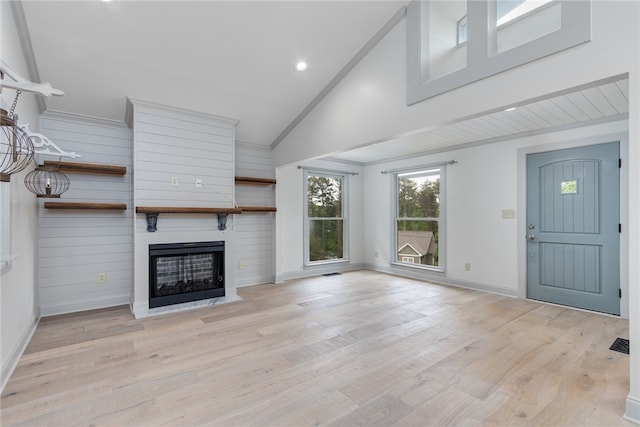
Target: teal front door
573	215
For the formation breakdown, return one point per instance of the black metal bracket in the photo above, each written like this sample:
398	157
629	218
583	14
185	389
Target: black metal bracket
152	222
222	221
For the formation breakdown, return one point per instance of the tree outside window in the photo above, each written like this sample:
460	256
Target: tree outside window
325	217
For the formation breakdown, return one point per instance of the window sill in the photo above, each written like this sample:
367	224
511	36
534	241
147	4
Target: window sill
418	267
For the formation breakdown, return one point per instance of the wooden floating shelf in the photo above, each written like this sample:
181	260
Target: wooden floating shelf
152	213
257	208
247	180
186	210
94	206
87	168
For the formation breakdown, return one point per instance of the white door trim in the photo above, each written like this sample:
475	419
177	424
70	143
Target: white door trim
548	145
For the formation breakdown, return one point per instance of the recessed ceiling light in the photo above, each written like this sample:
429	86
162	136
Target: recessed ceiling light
510	109
301	66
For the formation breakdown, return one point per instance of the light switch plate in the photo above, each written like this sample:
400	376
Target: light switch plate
508	213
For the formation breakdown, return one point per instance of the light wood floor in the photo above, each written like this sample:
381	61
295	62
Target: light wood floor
361	348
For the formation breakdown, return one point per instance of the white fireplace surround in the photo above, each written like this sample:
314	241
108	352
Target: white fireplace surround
142	240
180	159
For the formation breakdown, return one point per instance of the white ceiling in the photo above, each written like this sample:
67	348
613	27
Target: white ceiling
602	102
237	59
229	58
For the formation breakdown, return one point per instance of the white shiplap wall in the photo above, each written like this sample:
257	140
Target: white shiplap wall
254	231
173	143
176	144
76	245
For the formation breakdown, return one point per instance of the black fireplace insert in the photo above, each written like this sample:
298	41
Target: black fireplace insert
185	272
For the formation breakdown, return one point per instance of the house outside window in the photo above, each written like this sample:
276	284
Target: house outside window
419	231
325	219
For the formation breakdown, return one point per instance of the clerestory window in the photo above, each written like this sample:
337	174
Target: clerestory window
454	43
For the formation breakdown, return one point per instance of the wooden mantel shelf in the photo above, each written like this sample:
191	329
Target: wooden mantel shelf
248	180
95	206
87	167
152	213
185	210
257	208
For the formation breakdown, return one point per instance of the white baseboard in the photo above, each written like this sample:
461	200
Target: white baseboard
73	307
632	411
440	278
259	281
318	271
9	365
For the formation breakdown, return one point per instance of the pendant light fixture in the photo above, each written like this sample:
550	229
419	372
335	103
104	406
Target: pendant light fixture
16	147
47	181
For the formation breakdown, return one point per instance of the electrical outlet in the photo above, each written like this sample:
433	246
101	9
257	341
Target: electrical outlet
467	266
174	181
102	278
240	265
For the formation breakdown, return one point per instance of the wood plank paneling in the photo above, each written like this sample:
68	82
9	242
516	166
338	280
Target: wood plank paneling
188	147
76	245
361	348
254	231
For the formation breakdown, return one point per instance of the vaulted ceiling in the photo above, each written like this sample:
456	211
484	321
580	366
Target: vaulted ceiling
237	59
229	58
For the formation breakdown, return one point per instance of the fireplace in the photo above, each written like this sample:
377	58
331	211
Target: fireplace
185	272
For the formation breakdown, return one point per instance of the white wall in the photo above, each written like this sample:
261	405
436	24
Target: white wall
485	180
77	245
289	220
167	143
369	105
18	284
254	256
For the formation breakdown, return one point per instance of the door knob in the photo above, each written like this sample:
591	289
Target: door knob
531	237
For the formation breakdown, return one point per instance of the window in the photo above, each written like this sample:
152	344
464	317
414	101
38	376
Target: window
521	22
418	221
325	218
462	30
442	52
454	43
508	11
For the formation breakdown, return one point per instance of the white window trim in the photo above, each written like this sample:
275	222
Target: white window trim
345	221
442	246
482	59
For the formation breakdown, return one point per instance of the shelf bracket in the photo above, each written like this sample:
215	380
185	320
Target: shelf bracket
222	221
44	145
152	222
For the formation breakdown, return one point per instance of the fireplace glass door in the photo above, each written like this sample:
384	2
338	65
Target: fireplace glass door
184	272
